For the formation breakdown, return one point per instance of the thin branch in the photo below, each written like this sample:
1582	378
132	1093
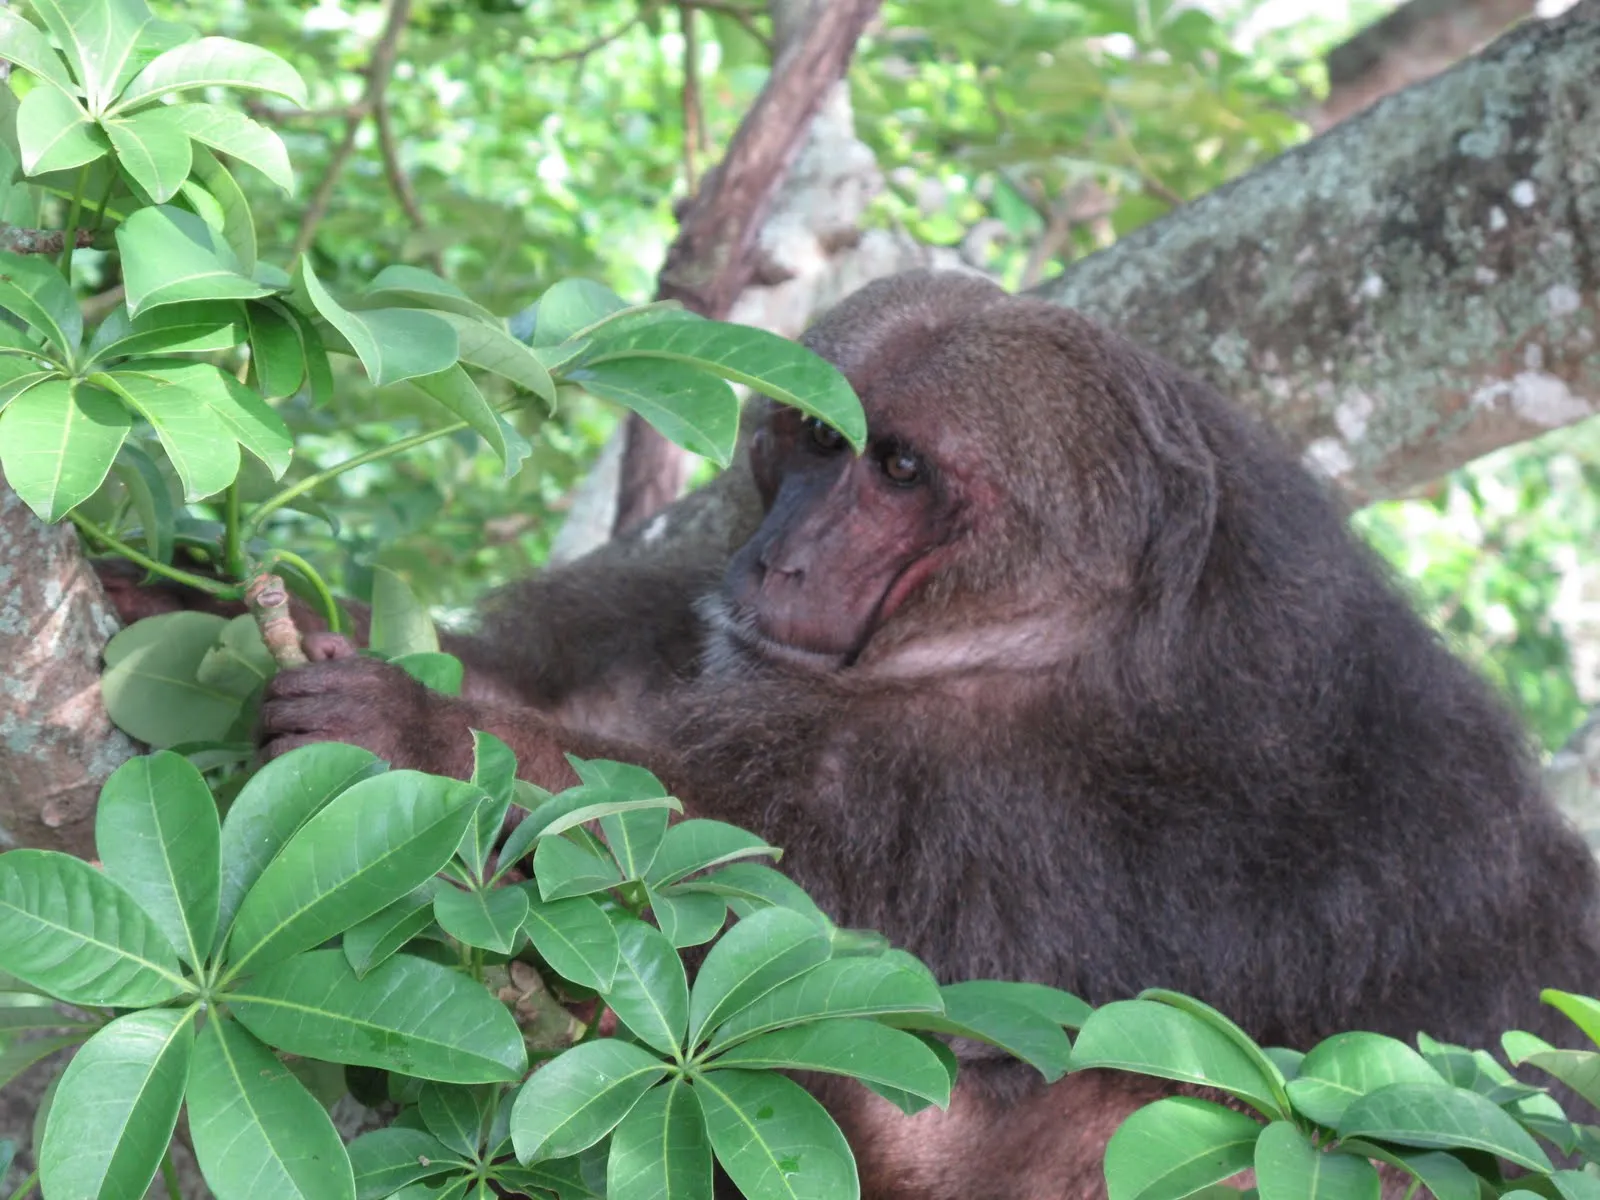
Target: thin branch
595	44
400	183
19	240
1151	181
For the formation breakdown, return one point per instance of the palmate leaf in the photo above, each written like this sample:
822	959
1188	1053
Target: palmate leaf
214	62
386	1160
34	290
857	1048
579	1096
1348	1066
244	414
1156	1039
455	1115
153	149
758	954
198	442
660	1150
105	41
174	329
698	845
1176	1146
1289	1167
650	991
152	688
775	1141
846	987
58	440
29	49
392	343
489	919
454	390
169	256
54	133
230	132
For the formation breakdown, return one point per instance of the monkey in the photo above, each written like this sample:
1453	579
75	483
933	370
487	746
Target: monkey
1076	675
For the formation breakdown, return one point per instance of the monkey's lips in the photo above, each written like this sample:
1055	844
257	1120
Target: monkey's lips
739	626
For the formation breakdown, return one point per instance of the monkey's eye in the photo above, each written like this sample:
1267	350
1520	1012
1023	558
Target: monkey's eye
823	436
902	467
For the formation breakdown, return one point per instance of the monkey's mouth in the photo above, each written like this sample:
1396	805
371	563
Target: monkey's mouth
735	628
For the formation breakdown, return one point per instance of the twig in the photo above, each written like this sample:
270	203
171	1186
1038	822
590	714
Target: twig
1152	182
268	601
595	44
20	240
693	125
400	183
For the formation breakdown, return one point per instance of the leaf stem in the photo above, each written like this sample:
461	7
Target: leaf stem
105	201
330	609
27	1185
214	587
169	1175
74	215
232	556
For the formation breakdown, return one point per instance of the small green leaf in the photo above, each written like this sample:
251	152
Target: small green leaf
845	987
1016	1028
58	440
243	413
660	1150
116	1106
489	919
1177	1146
105	42
748	886
441	672
1223	1025
563	869
55	134
698	845
494	771
387	930
240	662
157	834
861	1049
688	920
232	133
151	686
1445	1175
34	290
1348	1066
650	992
174	329
578	1097
1053	1004
31	50
688	407
256	1131
1289	1167
169	256
280	798
153	149
576	938
408	1015
73	933
392	343
400	622
455	1115
214	62
491	348
386	1160
571	306
18	1055
762	951
1578	1069
227	210
454	390
198	442
412	287
276	352
775	1141
1582	1011
1440	1117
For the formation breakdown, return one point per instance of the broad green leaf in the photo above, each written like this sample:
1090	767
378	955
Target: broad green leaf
383	933
18	1055
578	1097
198	442
650	992
688	920
276	353
660	1150
153	149
174	329
244	414
157	835
911	1104
454	390
214	62
1578	1069
688	407
15	1018
575	937
280	798
55	134
1222	1024
759	953
441	672
73	933
412	287
1445	1175
571	306
563	869
455	1115
103	41
400	622
227	210
1289	1167
240	662
634	837
17	382
151	685
748	886
698	845
408	1014
1350	1065
764	362
33	289
1440	1117
1053	1004
773	1139
488	919
491	348
232	133
169	256
117	1105
375	842
256	1131
860	1049
494	771
1176	1146
58	440
585	813
562	1177
1016	1028
1582	1011
392	343
1156	1039
29	49
845	987
385	1160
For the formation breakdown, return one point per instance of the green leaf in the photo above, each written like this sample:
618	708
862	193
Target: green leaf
392	343
1349	1065
104	41
198	442
227	210
698	845
385	1160
375	842
564	1178
494	771
454	390
1289	1167
256	1130
650	992
860	1049
214	62
387	930
1017	1029
845	987
412	287
230	132
441	672
1156	1039
31	50
748	886
408	1014
773	1139
764	362
1445	1175
1582	1011
491	348
688	407
563	869
1440	1117
1210	1016
244	415
571	306
400	622
579	1096
280	798
16	383
73	933
17	1056
688	920
175	329
276	353
239	663
660	1150
117	1105
759	953
1053	1004
55	134
151	685
1578	1069
455	1115
157	834
575	937
489	919
34	290
1177	1146
153	149
58	440
169	256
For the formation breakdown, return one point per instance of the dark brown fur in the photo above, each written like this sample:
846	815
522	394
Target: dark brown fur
1156	718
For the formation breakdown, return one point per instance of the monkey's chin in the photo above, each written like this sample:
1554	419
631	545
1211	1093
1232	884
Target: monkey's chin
736	637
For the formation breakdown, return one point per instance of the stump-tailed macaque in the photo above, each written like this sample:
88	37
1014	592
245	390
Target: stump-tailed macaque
1075	676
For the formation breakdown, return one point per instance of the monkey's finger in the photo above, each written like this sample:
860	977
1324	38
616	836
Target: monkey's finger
323	646
322	678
